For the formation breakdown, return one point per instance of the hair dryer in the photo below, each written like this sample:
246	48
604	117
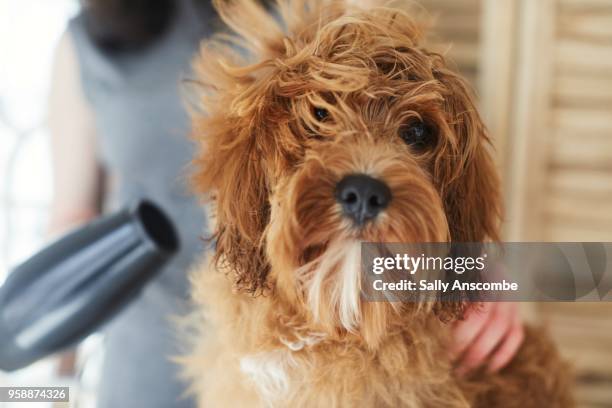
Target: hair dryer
68	289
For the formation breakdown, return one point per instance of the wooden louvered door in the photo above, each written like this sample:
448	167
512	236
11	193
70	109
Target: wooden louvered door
554	139
543	70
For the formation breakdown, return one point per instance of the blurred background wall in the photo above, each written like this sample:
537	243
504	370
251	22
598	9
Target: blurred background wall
543	73
29	32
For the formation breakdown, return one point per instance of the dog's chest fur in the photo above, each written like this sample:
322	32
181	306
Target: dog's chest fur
286	377
249	361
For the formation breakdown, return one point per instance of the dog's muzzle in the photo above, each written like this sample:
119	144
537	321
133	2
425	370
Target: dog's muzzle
362	197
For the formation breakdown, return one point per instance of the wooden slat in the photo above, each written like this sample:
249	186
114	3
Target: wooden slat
578	149
582	121
565	318
573	343
569	207
573	55
601	312
596	184
453	6
583	90
594	27
457	26
564	230
575	6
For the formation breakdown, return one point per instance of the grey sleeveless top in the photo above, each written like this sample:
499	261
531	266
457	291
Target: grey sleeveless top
143	144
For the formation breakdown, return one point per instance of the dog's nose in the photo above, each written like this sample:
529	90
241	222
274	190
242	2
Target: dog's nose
362	197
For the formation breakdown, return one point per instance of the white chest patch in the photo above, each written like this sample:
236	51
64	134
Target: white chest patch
270	372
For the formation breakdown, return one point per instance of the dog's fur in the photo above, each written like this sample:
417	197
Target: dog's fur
285	324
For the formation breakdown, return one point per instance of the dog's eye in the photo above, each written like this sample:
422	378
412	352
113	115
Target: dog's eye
321	114
417	135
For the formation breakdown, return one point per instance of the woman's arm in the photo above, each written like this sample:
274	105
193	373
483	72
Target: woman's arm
76	171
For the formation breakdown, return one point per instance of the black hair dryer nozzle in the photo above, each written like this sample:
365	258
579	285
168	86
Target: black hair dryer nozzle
68	289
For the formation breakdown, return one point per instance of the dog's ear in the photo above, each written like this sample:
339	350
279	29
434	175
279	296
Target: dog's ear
228	124
228	169
469	183
467	180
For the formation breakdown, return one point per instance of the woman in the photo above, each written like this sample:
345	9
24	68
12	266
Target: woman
119	131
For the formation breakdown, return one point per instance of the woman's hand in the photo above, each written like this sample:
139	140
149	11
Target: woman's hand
490	336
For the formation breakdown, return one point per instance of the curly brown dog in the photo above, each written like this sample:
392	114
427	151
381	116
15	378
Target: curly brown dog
305	104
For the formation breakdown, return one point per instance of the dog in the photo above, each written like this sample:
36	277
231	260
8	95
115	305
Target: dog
324	125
